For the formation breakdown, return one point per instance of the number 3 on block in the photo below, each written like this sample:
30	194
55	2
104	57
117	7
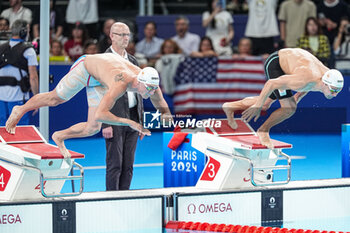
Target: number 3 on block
211	170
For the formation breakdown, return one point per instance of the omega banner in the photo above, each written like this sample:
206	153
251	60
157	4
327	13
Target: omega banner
230	208
26	218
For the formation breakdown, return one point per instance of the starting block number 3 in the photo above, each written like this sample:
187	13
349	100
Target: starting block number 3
211	169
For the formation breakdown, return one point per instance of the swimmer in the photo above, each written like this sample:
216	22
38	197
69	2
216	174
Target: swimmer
286	70
106	78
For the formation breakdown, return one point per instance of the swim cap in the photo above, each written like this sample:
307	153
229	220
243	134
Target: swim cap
148	75
333	78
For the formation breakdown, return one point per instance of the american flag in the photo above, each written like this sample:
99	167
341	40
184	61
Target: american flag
204	84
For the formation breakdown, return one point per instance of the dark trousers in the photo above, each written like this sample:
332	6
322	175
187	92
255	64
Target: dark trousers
120	156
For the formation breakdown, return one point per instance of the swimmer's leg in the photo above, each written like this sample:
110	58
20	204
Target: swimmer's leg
37	101
83	129
287	109
231	107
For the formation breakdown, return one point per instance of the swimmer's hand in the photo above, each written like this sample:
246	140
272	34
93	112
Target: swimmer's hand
252	112
107	132
142	131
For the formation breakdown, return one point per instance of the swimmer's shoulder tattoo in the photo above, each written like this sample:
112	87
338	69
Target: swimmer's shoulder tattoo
119	77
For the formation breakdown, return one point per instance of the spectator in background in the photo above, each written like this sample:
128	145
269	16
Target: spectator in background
56	48
56	23
292	16
17	11
218	23
74	46
342	45
206	48
330	13
4	24
314	41
25	70
105	41
187	41
170	47
57	52
141	58
262	25
4	30
167	65
90	46
150	45
86	12
244	49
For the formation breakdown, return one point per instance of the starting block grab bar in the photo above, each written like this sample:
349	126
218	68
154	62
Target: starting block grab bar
254	168
80	177
43	179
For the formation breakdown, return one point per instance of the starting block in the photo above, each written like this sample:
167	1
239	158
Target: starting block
237	159
31	168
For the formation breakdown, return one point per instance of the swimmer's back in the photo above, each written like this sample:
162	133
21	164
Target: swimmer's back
108	65
293	60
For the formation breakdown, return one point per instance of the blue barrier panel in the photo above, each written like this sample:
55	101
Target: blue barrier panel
183	166
345	149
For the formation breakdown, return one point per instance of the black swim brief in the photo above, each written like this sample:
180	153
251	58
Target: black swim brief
273	70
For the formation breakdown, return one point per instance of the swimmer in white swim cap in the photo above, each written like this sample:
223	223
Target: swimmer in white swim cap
334	80
106	77
150	79
286	70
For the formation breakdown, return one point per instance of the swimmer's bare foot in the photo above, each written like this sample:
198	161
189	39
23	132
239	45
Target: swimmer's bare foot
230	117
60	144
13	120
264	138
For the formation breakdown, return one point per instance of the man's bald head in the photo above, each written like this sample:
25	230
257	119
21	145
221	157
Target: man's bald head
120	35
119	26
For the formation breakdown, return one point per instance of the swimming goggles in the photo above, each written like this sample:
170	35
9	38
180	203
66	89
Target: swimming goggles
150	88
334	90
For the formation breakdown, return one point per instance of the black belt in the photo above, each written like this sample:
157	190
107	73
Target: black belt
8	81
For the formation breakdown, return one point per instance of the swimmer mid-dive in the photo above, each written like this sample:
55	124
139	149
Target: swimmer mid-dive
286	70
106	78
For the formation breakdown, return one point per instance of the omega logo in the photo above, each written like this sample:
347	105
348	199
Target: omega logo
10	219
209	208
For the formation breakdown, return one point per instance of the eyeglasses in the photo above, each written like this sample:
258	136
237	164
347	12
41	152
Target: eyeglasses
150	88
334	90
122	34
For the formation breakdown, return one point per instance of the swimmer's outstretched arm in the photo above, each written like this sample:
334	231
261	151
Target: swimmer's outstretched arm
284	82
104	115
160	104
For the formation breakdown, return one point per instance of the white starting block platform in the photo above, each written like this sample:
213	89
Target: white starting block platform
237	159
31	168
